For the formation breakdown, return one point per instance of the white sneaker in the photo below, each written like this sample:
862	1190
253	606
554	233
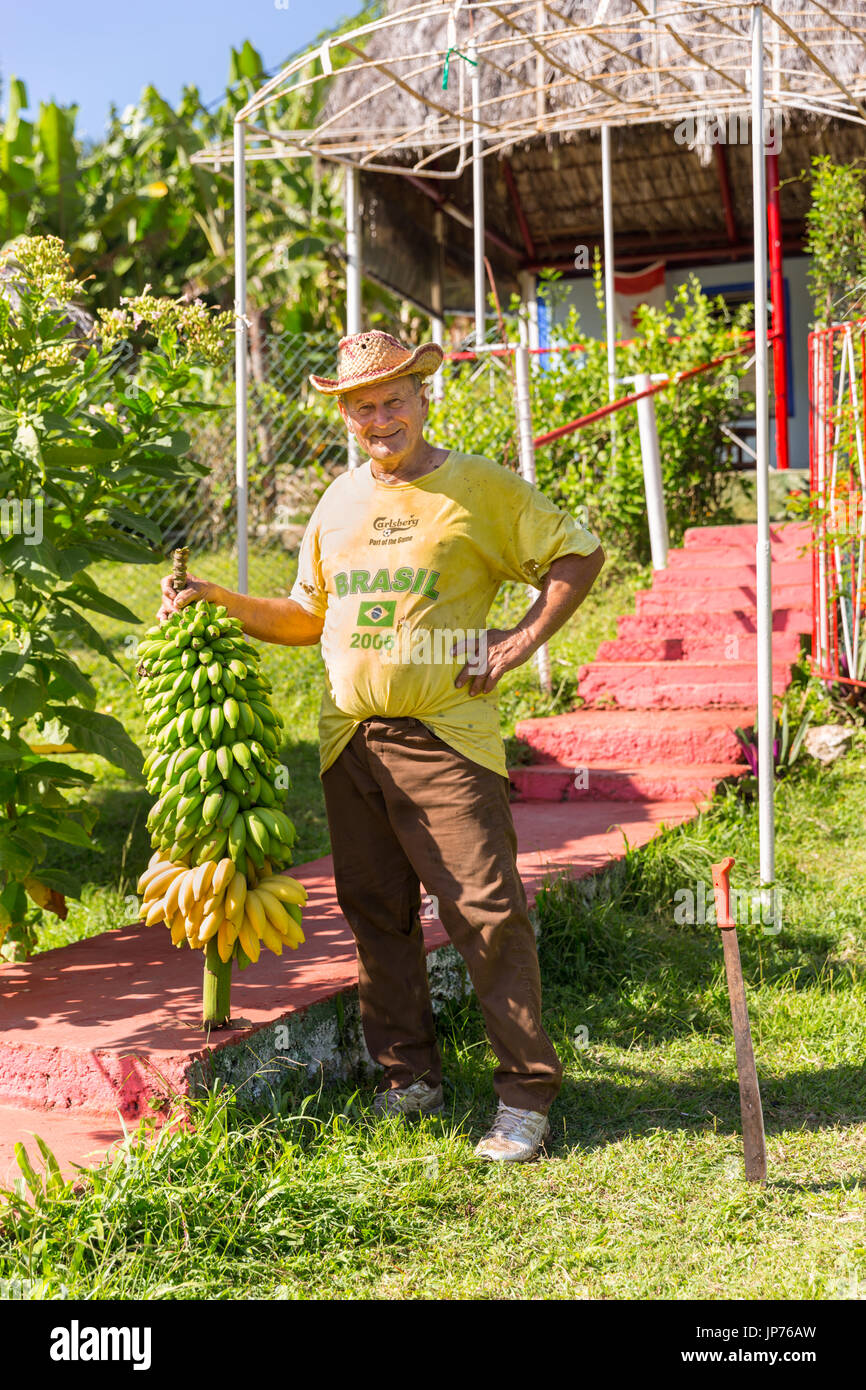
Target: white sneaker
417	1099
515	1135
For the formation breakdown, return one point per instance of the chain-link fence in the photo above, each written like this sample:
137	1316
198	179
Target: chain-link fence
296	445
296	442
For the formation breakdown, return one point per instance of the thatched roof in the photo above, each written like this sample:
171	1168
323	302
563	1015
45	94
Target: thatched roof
563	65
552	72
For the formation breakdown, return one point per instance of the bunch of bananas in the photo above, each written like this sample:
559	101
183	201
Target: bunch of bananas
219	834
215	899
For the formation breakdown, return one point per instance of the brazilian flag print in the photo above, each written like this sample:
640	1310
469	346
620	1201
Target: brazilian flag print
377	613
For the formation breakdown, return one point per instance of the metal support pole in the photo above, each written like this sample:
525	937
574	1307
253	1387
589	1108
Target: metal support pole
241	332
766	779
478	201
529	297
818	479
609	303
652	473
437	302
353	275
526	448
777	297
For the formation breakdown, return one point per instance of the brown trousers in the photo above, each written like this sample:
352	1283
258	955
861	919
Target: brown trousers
404	806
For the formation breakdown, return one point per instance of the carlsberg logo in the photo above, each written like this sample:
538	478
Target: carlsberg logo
76	1343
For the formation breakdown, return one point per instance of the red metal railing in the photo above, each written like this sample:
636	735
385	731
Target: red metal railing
622	402
837	489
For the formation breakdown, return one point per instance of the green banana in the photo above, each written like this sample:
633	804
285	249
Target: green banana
241	754
224	760
246	720
237	835
216	722
228	810
237	781
257	831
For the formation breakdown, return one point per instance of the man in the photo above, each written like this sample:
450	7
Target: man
399	564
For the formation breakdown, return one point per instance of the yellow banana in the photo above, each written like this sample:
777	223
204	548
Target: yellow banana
236	893
254	910
272	939
274	910
223	875
157	886
195	915
212	904
203	875
249	939
287	889
155	913
210	925
172	894
187	893
225	942
293	937
152	871
178	929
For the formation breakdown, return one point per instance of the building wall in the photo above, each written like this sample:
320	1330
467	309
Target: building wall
579	293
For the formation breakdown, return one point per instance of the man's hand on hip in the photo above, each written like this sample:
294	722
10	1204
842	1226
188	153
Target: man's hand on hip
500	652
563	589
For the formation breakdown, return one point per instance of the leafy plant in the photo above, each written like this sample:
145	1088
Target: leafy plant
79	442
790	726
836	240
597	472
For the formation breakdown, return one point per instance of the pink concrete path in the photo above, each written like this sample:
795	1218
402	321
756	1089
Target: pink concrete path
95	1031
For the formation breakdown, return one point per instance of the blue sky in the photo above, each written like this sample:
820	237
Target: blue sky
95	52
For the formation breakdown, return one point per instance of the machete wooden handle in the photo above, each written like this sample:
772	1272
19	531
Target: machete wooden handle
751	1111
722	893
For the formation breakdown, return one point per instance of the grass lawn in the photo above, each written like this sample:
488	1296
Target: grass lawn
642	1197
121	846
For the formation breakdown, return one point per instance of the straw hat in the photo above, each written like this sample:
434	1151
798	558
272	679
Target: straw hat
375	356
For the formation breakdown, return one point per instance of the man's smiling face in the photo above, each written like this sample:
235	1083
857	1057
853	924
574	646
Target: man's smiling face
387	418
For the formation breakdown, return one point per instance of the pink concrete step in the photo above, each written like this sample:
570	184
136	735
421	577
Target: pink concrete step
723	600
704	623
727	556
719	646
709	576
637	737
676	684
746	533
644	783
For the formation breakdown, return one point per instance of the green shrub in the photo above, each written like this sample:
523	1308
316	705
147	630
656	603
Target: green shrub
80	441
596	473
836	241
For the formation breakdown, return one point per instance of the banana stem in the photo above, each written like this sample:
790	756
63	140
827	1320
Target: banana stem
178	574
217	987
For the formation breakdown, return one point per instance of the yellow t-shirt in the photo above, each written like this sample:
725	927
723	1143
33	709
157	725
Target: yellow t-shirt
399	571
